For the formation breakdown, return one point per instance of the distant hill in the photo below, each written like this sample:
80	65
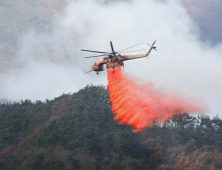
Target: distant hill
77	131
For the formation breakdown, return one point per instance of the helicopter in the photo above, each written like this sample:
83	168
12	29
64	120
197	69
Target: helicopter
115	59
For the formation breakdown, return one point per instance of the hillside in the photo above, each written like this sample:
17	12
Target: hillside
77	131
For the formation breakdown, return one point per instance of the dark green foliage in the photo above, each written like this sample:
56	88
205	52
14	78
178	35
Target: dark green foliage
77	131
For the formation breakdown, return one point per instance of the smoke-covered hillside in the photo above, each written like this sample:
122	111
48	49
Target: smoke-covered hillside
77	131
19	17
41	42
208	16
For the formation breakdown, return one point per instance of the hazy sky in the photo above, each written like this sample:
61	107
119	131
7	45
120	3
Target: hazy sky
49	64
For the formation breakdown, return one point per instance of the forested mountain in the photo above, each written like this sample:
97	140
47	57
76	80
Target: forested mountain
77	131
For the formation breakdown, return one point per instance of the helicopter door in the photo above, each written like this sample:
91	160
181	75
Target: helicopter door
100	67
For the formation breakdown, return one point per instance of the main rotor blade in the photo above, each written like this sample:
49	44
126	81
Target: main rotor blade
111	44
133	51
130	47
95	56
94	51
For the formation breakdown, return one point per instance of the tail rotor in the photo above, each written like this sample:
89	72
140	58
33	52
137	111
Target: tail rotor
152	46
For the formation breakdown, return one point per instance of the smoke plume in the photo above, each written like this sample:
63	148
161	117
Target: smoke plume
50	63
140	105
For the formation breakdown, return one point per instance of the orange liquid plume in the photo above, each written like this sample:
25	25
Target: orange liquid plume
140	105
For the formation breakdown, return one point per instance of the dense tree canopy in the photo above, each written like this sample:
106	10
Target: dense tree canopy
77	131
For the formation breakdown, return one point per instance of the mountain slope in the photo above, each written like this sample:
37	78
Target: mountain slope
77	131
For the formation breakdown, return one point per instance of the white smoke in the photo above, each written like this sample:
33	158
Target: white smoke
50	64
